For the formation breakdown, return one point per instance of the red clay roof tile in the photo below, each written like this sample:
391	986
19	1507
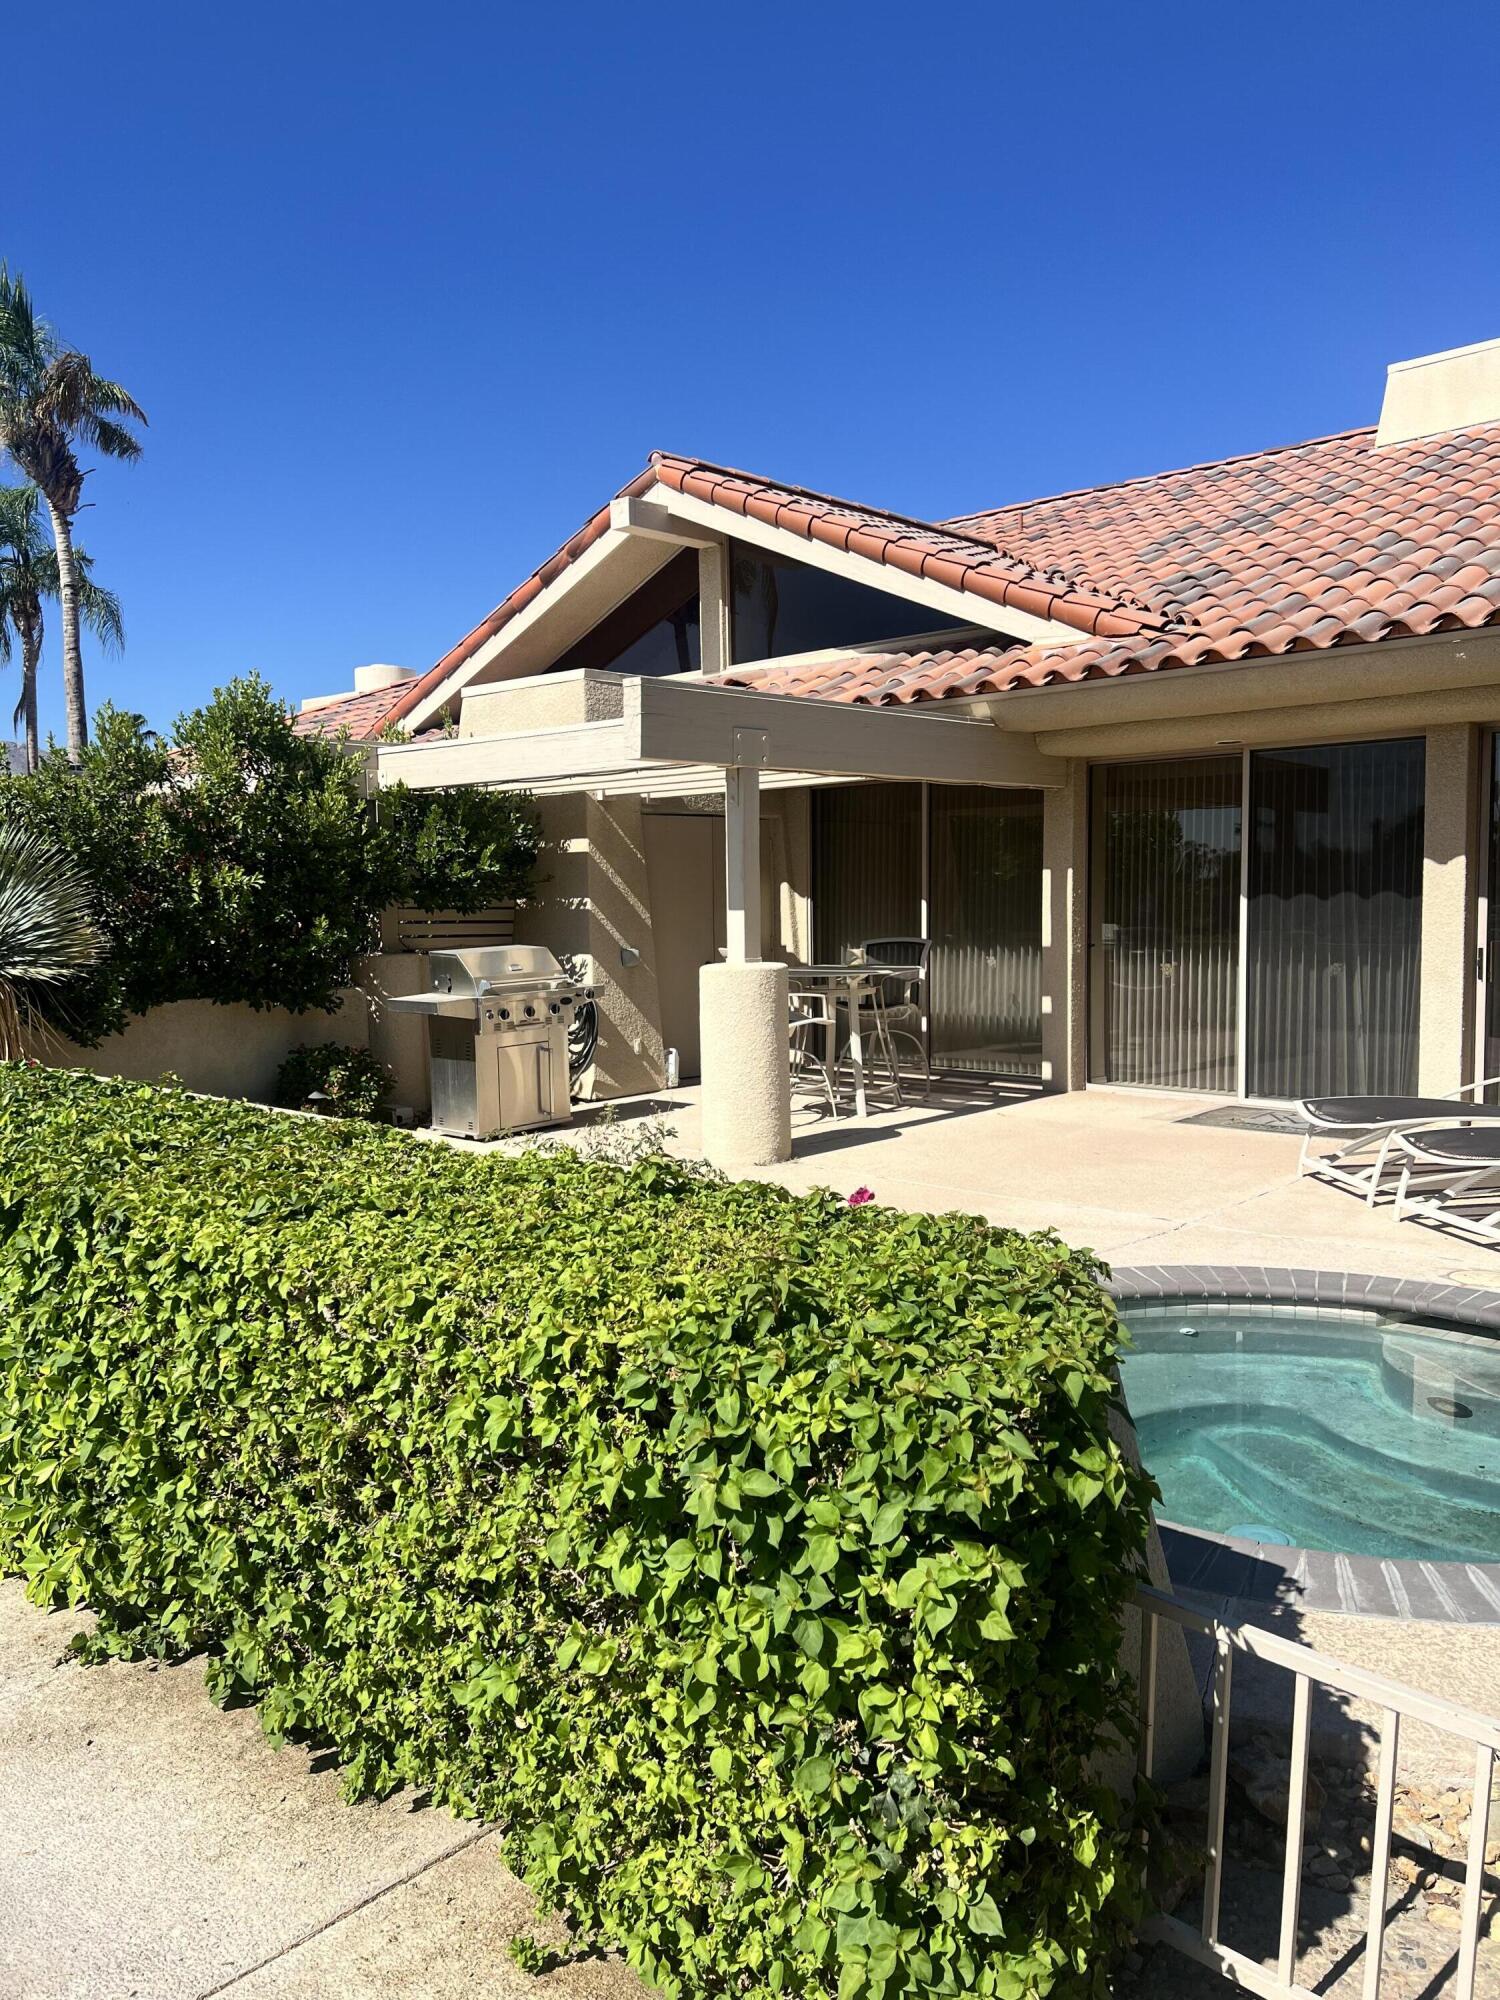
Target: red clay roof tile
362	715
1293	550
1296	549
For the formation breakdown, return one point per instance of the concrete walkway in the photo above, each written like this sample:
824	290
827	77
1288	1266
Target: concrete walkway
155	1847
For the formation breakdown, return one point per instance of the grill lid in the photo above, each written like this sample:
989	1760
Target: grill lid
494	968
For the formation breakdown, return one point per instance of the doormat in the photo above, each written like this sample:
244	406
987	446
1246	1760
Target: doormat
1249	1118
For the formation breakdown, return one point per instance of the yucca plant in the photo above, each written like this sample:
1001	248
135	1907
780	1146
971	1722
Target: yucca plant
46	933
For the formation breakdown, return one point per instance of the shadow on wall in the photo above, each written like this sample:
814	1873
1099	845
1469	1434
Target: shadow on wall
592	907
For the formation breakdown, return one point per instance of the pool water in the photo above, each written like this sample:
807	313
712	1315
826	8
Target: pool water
1354	1432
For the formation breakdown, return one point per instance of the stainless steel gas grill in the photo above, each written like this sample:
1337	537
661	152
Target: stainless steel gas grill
497	1038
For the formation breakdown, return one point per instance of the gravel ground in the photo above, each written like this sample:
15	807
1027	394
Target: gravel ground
1422	1896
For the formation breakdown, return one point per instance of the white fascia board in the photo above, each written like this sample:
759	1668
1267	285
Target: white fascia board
963	607
654	521
581	576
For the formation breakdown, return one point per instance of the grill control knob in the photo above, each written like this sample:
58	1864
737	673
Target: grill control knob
530	1011
554	1008
505	1013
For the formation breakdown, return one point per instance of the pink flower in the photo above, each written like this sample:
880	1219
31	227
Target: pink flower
859	1197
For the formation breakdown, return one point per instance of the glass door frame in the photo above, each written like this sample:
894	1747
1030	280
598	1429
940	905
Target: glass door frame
1094	847
1481	972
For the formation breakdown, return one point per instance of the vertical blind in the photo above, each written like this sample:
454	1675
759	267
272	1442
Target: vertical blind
985	903
1166	921
867	865
1334	919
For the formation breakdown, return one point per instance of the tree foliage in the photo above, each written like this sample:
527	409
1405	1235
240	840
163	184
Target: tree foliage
755	1561
52	401
239	862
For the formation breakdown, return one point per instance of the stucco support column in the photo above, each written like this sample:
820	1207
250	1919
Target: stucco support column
743	1007
1065	932
714	586
1450	885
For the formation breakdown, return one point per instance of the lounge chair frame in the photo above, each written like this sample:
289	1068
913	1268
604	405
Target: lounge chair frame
1366	1151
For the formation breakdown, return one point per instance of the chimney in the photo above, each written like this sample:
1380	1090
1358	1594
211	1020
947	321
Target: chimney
1440	392
370	680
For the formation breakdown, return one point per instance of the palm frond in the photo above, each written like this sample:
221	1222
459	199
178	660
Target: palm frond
47	934
99	608
111	438
23	534
113	399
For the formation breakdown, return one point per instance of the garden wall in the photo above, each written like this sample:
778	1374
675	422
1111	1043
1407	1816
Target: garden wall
223	1051
236	1051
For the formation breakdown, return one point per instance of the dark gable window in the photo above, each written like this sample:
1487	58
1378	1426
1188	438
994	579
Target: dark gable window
786	607
655	631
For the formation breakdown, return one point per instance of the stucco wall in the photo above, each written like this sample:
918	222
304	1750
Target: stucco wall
593	905
398	1040
225	1051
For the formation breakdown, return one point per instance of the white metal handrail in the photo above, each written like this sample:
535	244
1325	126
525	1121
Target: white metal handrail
1394	1701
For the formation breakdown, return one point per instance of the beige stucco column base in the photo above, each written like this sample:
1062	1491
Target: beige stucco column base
747	1091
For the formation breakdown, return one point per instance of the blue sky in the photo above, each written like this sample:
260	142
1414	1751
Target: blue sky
407	293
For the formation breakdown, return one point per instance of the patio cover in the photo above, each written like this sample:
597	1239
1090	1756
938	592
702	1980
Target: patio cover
660	737
655	737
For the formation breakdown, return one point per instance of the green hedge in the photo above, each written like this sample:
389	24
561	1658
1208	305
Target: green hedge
754	1561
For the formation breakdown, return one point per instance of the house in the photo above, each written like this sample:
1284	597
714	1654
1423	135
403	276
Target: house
1190	779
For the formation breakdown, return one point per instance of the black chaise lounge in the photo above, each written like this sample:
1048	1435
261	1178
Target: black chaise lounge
1451	1174
1363	1129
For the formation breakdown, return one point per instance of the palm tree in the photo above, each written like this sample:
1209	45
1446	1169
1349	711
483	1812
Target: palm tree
51	401
28	577
46	933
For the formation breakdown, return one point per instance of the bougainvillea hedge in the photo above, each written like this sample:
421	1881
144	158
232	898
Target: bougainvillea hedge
753	1560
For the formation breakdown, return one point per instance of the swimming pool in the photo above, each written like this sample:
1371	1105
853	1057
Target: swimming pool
1319	1427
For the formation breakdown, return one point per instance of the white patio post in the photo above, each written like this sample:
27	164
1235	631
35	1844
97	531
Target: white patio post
742	1004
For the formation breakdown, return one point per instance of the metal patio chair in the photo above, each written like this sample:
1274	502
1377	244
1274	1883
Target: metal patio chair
898	1005
809	1024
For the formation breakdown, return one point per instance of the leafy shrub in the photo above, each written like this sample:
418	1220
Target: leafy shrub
753	1559
354	1083
239	862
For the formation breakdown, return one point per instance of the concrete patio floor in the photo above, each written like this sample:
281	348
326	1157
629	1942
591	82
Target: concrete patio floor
1133	1175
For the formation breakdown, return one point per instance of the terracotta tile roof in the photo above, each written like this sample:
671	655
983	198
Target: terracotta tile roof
966	559
1298	549
363	715
981	562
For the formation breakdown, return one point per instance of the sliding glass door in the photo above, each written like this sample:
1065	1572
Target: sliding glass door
1334	919
963	869
1166	871
1317	881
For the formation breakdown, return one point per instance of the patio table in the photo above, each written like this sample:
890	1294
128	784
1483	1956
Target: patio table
855	981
